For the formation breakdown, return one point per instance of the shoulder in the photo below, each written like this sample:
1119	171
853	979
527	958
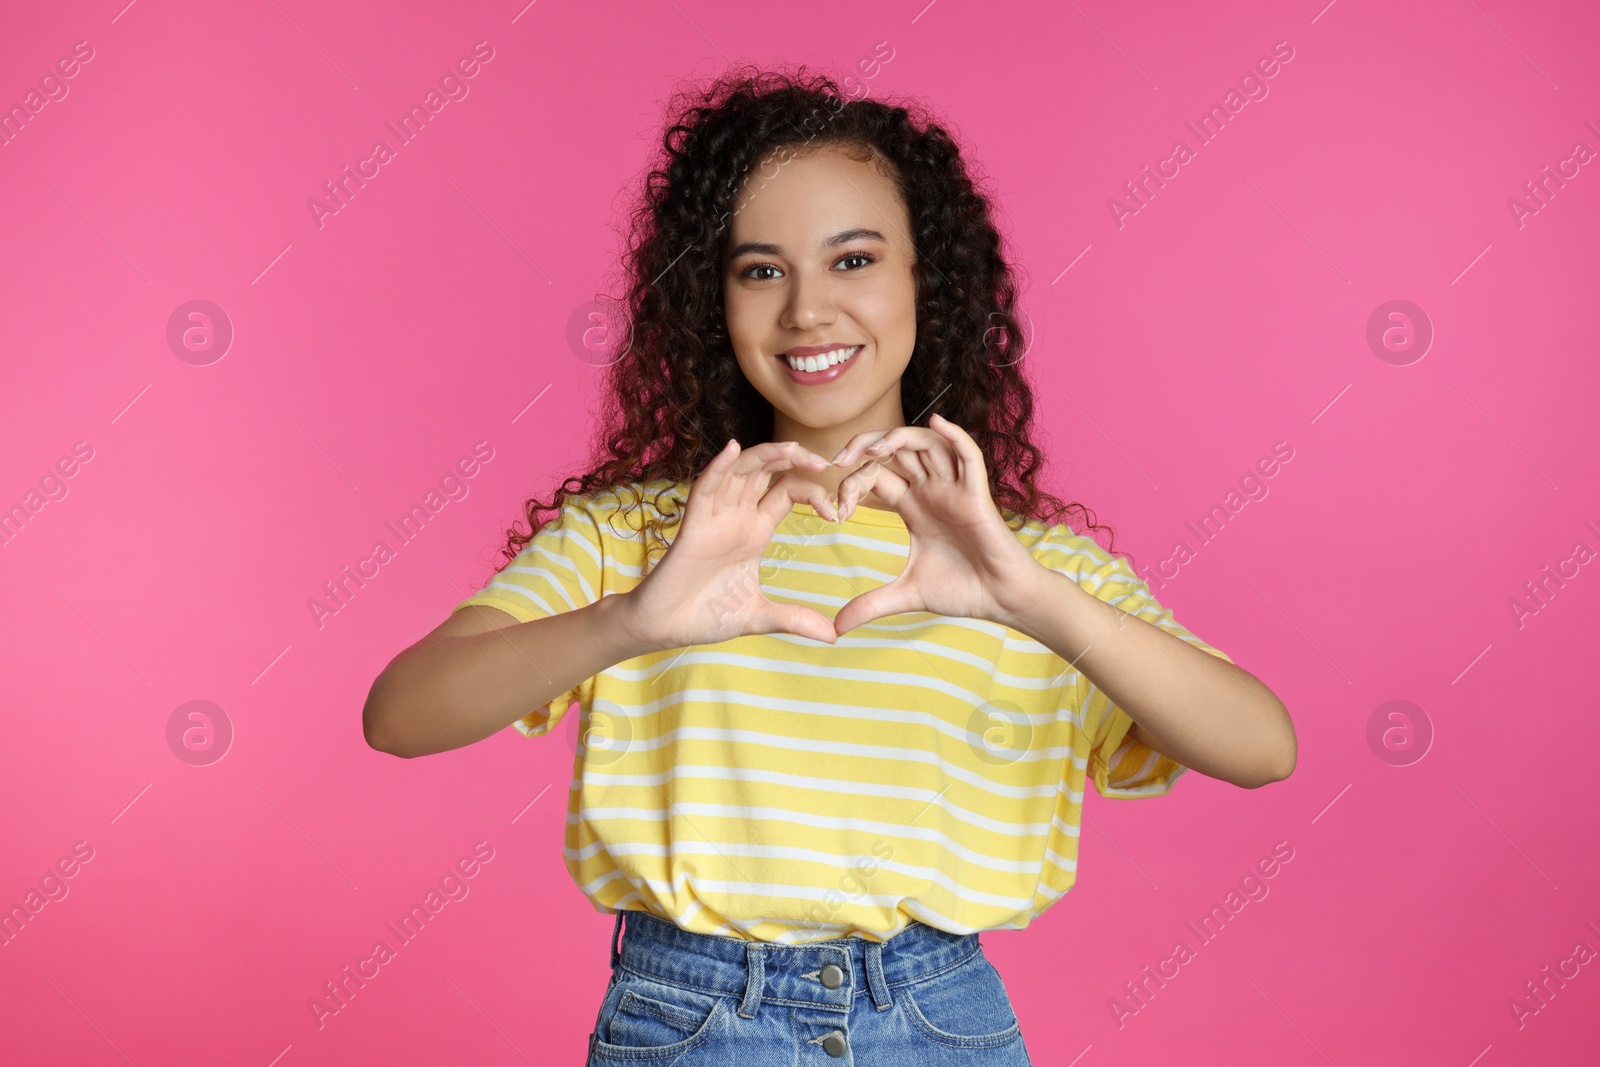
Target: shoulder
1060	548
616	518
627	503
1109	578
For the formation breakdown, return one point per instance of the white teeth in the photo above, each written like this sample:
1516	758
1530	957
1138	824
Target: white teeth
822	362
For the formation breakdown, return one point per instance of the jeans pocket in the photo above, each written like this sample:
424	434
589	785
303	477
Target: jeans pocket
649	1020
965	1007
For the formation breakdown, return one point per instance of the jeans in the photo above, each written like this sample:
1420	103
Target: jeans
924	998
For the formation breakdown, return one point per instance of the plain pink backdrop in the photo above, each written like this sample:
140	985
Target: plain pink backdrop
372	352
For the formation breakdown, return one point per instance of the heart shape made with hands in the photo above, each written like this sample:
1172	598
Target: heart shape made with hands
964	561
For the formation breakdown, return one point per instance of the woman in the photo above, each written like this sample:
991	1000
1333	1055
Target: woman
807	820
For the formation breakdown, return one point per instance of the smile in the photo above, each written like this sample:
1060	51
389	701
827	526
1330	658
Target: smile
815	370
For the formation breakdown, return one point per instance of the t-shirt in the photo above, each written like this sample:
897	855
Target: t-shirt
777	788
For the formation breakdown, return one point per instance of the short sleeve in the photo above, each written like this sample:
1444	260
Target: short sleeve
1120	767
561	569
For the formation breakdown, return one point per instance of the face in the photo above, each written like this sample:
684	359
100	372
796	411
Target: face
820	258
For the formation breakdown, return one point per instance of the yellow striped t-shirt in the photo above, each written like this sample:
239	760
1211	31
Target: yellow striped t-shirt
777	788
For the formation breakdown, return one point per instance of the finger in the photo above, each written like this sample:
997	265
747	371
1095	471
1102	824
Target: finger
873	478
910	464
904	463
797	619
965	447
892	599
967	451
778	455
856	485
708	487
856	443
735	494
914	437
853	452
933	451
941	461
789	489
767	459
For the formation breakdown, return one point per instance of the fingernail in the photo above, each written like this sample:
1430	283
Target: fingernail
838	456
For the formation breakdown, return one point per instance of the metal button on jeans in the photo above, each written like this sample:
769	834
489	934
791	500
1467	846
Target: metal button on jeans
832	977
834	1044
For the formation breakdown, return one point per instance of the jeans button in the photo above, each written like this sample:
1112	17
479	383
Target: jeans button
834	1044
832	977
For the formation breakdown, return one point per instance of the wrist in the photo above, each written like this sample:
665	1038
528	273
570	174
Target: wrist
1042	597
619	616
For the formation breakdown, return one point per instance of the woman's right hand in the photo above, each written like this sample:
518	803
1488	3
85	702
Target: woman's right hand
707	588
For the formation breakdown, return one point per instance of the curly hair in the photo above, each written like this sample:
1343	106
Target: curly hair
676	394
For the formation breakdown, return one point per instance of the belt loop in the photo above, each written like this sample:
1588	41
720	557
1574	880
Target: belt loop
616	935
754	975
876	983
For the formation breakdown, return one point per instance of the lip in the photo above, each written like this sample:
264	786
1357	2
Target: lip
821	377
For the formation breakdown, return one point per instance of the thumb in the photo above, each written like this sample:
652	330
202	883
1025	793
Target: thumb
797	619
892	599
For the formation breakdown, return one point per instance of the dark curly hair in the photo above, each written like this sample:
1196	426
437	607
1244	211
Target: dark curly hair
676	394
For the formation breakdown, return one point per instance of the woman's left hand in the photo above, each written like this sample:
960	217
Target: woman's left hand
964	560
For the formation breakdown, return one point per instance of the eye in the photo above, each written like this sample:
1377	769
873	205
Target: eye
859	255
757	266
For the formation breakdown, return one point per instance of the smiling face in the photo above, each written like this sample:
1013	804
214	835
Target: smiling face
818	271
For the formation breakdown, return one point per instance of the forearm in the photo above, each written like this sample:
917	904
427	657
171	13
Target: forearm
1196	708
447	692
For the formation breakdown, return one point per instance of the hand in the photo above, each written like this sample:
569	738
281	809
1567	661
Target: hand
707	588
965	561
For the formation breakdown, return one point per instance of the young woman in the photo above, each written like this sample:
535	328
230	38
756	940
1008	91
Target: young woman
842	670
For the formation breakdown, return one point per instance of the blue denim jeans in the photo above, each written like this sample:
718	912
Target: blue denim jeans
924	998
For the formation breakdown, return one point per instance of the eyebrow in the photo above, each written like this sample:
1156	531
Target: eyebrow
843	237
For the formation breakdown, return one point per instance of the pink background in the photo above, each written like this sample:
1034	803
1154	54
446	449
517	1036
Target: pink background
431	312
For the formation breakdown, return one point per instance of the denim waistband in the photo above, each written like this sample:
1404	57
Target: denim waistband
757	971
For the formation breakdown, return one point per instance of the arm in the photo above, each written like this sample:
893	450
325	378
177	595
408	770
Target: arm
481	670
1202	711
966	562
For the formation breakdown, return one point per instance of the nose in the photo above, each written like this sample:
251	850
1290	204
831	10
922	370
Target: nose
810	302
